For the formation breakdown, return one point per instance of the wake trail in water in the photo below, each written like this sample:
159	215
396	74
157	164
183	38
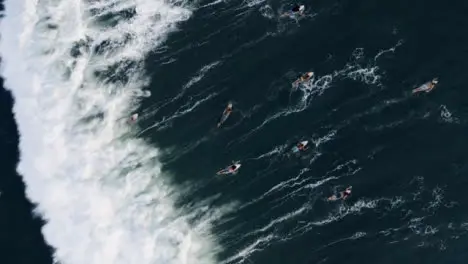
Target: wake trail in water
183	110
368	74
194	80
75	69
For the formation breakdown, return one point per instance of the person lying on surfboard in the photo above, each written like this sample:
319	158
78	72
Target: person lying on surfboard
427	87
343	195
301	146
232	169
296	10
133	118
304	78
226	114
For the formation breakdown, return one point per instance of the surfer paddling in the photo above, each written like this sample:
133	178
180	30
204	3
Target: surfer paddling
343	195
232	169
304	78
427	87
301	146
296	10
133	118
226	114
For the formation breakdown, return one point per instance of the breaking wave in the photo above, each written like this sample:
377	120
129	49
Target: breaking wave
75	69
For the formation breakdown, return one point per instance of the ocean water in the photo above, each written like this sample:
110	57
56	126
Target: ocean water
100	189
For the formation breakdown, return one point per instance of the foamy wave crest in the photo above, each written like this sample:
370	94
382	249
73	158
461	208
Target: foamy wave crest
75	70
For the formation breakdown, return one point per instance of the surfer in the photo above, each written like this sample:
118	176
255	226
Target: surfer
232	169
226	114
343	195
427	87
296	10
301	146
304	78
133	118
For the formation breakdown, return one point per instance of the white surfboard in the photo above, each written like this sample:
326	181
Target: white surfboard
228	171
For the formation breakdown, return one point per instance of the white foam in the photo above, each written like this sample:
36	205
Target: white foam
201	74
100	190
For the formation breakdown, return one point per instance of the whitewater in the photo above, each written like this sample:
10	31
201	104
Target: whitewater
75	69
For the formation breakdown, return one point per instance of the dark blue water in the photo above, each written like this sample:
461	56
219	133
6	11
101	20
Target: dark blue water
404	155
21	240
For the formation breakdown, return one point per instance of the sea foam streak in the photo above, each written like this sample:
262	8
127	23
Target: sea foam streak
74	68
